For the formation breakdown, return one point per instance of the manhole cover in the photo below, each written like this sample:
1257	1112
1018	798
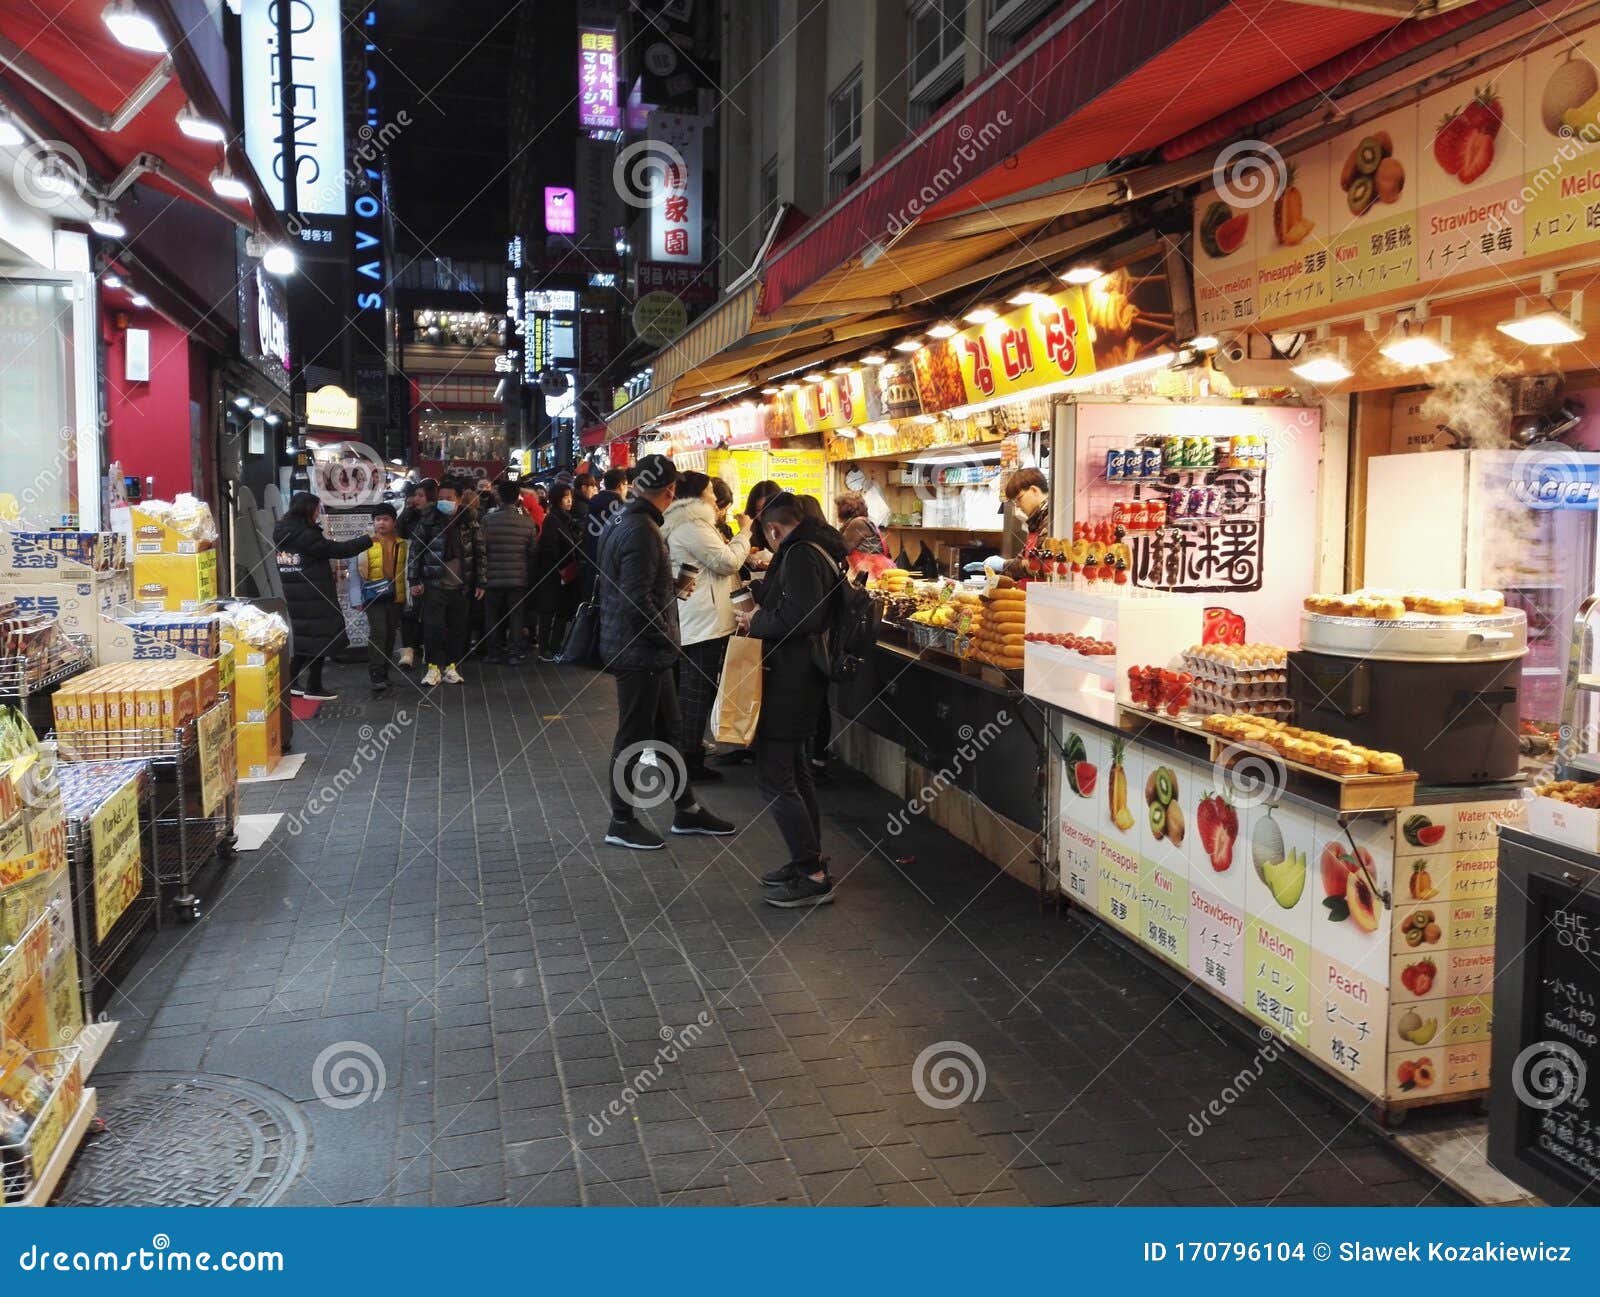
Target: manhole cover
173	1139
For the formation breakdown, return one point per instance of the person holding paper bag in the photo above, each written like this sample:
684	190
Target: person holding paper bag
797	601
705	614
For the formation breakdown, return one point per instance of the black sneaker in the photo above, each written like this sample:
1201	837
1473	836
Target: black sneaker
801	892
782	876
380	686
320	695
704	774
737	757
630	833
701	820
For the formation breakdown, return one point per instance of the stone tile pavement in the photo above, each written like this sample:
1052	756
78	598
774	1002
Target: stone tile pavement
554	1022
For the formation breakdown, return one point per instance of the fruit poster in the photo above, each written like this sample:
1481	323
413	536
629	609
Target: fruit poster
1293	267
1163	861
1277	842
1117	875
1373	198
1224	268
1470	170
1354	893
1347	1023
1085	755
1561	146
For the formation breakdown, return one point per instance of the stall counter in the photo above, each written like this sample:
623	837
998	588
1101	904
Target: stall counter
1363	939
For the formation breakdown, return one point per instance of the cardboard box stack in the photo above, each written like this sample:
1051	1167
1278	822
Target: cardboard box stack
77	577
257	703
95	711
174	559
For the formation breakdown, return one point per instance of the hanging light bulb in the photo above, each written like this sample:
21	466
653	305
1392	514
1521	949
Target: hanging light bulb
132	28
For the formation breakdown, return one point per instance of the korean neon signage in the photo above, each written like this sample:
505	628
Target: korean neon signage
598	106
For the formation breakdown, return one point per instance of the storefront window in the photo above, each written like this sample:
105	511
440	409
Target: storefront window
38	408
475	435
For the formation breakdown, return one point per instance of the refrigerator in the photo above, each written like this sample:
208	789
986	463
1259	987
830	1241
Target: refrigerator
1519	521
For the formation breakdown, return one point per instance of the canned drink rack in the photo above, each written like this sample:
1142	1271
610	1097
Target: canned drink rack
185	845
96	959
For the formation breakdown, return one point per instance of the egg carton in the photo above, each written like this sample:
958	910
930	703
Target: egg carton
1203	668
1242	691
1210	704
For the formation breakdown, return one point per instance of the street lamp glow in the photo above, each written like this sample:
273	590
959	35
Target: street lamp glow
279	259
197	127
132	28
227	185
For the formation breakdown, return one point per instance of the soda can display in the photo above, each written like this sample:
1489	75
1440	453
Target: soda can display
1116	465
1178	503
1172	452
1150	462
1155	514
1212	507
1119	513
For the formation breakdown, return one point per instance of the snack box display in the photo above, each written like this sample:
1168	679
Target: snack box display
157	530
260	746
78	604
258	687
34	556
150	697
175	582
193	632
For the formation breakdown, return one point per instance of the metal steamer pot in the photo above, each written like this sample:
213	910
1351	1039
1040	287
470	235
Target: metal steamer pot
1444	692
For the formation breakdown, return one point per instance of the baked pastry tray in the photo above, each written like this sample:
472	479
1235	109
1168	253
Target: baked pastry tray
1418	637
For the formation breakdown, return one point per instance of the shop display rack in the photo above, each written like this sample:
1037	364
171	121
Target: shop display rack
27	685
96	959
31	1170
186	842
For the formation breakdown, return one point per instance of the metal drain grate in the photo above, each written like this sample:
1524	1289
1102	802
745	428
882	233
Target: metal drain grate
173	1139
340	712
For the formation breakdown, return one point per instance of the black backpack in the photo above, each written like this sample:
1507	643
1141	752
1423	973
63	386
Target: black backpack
852	624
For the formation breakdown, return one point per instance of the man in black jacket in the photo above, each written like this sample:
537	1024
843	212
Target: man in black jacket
446	571
796	606
419	499
602	505
510	537
639	645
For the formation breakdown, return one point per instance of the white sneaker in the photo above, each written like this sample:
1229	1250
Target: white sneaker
451	675
408	657
432	677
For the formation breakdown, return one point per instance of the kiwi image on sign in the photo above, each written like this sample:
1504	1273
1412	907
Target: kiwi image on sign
1162	811
1371	173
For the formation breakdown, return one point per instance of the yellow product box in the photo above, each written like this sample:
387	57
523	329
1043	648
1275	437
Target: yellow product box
260	746
257	690
152	535
226	669
64	707
209	677
175	582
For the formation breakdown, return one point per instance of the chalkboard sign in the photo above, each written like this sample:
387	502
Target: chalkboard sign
1558	1072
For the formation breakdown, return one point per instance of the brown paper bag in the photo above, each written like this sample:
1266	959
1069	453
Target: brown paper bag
738	705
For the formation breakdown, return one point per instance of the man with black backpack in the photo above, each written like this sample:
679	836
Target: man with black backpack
804	644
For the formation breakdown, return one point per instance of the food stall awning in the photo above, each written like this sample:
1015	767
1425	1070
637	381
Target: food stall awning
718	329
69	79
1100	84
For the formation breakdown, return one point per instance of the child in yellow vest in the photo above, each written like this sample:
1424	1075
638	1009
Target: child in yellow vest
382	569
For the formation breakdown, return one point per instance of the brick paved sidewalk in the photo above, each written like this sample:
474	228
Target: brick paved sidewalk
455	917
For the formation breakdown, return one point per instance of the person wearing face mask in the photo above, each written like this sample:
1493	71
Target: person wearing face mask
447	571
1028	491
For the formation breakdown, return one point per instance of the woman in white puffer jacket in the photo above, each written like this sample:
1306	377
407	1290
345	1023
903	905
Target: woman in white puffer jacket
705	618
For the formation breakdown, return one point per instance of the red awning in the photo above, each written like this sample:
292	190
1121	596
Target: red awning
69	44
1116	80
592	437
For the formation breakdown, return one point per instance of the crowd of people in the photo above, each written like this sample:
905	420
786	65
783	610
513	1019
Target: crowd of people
496	571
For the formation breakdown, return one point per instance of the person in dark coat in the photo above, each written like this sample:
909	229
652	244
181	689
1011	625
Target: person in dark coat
305	562
419	499
555	573
797	600
446	570
603	505
639	645
510	542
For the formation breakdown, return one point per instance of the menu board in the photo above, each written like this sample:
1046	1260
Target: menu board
838	401
1373	201
1225	268
1292	257
118	859
1555	1073
1470	169
1561	146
